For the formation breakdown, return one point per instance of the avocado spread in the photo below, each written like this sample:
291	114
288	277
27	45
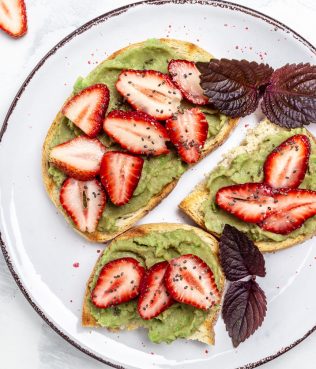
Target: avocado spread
157	171
179	320
248	167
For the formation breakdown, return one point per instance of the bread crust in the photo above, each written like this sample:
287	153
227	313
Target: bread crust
205	333
193	52
191	205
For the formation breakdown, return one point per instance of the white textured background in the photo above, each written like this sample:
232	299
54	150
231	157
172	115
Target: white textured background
26	342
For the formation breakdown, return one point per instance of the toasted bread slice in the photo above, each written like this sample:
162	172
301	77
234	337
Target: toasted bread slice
192	204
188	51
205	333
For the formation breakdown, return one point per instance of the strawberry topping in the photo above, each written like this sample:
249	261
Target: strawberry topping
137	132
149	91
189	280
13	18
286	165
83	202
118	282
276	210
154	297
87	109
250	202
188	132
80	157
186	77
120	173
294	207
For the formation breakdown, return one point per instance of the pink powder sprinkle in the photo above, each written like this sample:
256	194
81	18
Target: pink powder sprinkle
76	265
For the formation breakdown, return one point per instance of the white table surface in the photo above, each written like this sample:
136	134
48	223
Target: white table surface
26	342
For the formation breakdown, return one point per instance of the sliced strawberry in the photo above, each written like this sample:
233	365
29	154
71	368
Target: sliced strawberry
80	157
285	222
137	132
154	297
87	108
84	202
118	282
287	164
188	132
186	77
189	280
120	173
149	91
250	202
294	207
13	18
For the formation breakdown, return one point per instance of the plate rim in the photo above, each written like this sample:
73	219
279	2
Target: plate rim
86	26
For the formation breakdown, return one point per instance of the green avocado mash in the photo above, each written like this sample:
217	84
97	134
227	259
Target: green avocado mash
178	321
248	167
157	171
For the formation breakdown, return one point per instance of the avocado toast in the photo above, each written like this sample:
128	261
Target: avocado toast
160	173
150	245
245	164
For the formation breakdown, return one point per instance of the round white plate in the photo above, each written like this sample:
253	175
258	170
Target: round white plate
40	248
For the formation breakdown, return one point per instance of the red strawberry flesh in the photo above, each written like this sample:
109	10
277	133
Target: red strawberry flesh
136	132
84	202
118	282
250	202
294	207
189	280
286	165
79	158
186	77
13	18
188	132
120	173
154	297
87	109
149	91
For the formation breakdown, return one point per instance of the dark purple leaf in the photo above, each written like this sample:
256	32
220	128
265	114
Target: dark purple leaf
234	86
290	98
239	256
244	309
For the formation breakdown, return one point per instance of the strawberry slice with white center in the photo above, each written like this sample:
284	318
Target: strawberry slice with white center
188	132
186	77
250	202
287	164
154	297
87	109
84	202
79	158
136	132
294	207
120	173
13	18
149	91
189	280
118	282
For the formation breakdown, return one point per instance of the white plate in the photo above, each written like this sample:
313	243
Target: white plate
40	248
